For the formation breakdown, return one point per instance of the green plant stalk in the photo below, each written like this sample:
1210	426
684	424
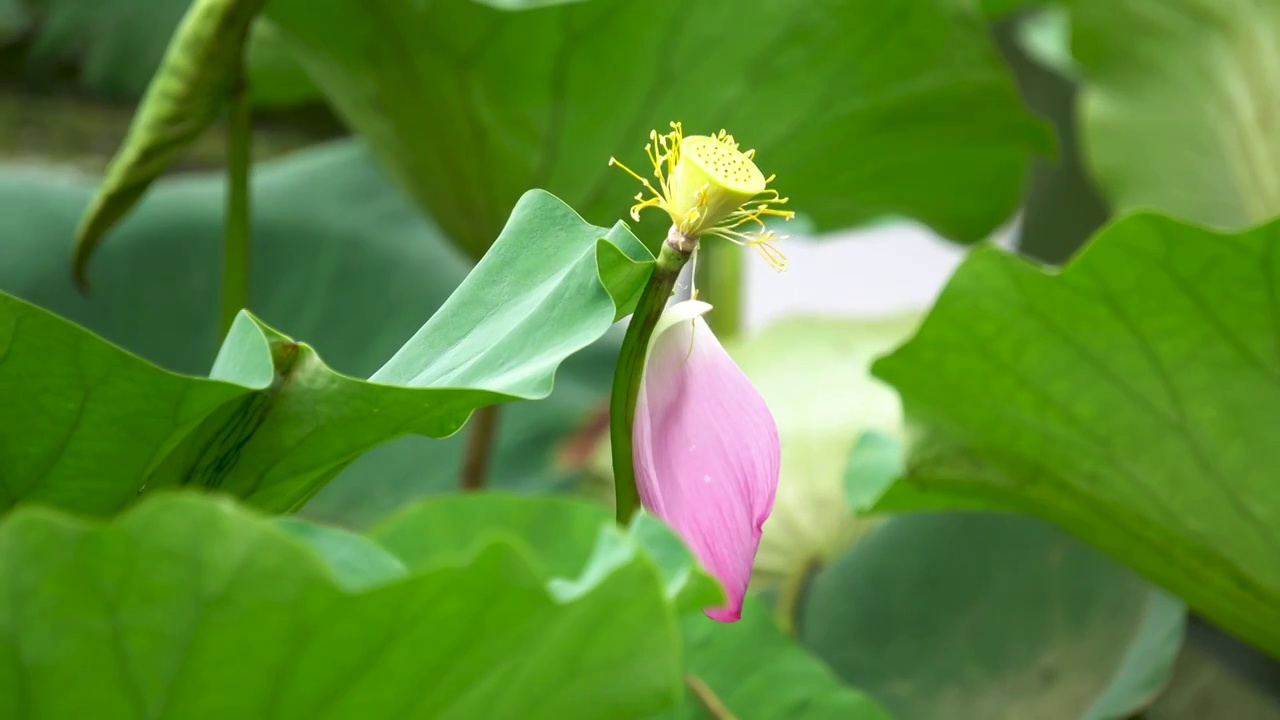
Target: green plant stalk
708	699
475	457
235	249
790	599
629	373
719	284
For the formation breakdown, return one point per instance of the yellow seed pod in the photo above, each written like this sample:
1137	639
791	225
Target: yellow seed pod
714	178
710	187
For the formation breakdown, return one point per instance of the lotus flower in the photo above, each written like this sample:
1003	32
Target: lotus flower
706	450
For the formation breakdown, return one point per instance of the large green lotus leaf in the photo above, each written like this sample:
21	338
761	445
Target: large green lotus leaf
1180	110
525	455
192	607
877	461
281	423
1128	398
357	562
324	219
562	531
752	670
744	663
862	107
976	616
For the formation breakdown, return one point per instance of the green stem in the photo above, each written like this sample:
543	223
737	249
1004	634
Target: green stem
787	612
708	699
235	249
719	283
630	370
475	458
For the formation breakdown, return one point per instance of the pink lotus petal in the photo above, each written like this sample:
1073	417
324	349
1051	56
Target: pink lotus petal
706	450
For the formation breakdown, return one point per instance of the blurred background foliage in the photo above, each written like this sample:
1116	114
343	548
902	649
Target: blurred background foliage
394	136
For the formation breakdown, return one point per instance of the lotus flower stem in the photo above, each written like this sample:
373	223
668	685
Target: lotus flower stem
479	448
629	373
719	284
707	698
235	258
